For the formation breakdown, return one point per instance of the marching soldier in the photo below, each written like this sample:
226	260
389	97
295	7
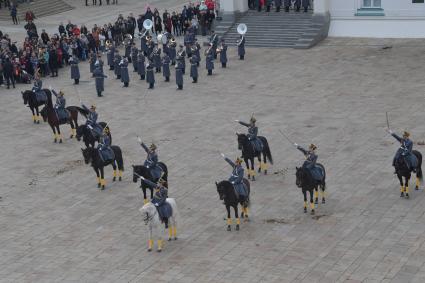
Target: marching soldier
127	48
209	61
124	72
305	4
214	42
252	133
287	4
99	79
405	150
141	65
241	47
149	46
179	75
117	68
110	55
150	76
223	53
172	51
134	53
157	58
92	61
144	45
166	67
75	70
297	5
194	68
197	51
100	61
181	54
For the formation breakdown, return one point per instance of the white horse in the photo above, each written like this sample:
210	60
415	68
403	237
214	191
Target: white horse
151	218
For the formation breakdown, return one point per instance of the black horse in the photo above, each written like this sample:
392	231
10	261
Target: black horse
140	170
85	133
226	191
49	115
307	183
91	155
30	100
249	153
402	170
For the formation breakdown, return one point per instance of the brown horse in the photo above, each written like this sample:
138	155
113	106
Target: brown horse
49	115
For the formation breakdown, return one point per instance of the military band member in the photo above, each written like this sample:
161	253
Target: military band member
197	51
150	76
99	61
99	80
179	75
125	78
209	61
75	70
144	45
223	53
92	61
194	68
141	65
287	4
117	68
149	46
172	51
110	55
166	67
134	53
127	50
157	58
214	41
241	47
181	56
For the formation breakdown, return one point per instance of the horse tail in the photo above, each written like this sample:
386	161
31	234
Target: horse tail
266	150
248	188
418	155
81	110
165	170
118	157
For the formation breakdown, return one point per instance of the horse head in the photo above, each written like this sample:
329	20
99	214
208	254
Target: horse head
136	172
80	131
242	139
220	190
25	96
43	113
87	154
148	211
300	176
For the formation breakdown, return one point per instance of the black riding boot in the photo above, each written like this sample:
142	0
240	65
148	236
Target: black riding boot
142	77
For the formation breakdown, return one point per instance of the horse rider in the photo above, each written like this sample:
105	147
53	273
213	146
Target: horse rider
236	179
151	161
95	129
159	199
405	150
104	146
37	88
60	105
252	133
310	161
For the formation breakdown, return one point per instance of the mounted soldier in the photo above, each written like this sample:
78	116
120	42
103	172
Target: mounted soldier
59	107
95	129
236	179
310	162
159	200
405	150
252	133
104	147
151	161
40	95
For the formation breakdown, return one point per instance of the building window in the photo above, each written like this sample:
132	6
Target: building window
371	3
418	1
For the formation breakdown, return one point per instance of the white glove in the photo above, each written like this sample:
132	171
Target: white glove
233	182
237	121
156	204
295	144
50	88
222	154
390	131
139	139
80	101
143	178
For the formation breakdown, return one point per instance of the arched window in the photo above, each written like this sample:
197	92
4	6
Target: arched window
371	3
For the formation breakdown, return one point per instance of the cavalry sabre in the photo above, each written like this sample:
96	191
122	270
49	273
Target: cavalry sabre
286	137
388	121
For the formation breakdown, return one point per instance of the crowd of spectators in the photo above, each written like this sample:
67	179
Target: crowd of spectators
46	53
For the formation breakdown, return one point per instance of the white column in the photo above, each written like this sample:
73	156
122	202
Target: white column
231	6
321	6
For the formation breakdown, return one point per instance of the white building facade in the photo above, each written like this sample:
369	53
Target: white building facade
364	18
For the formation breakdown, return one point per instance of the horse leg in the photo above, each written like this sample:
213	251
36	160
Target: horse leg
145	200
247	168
238	221
229	219
305	200
316	194
150	240
59	133
174	227
406	188
54	133
34	118
323	188
102	178
71	123
311	202
261	163
400	178
38	115
114	166
97	177
265	165
252	169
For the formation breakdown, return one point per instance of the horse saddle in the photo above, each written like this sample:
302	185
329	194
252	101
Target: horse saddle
96	130
40	96
240	191
165	210
63	114
106	153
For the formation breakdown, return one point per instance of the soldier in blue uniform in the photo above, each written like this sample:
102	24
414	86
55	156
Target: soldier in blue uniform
236	179
92	61
134	54
127	51
214	43
194	68
124	72
117	68
252	134
166	67
157	58
172	51
310	162
99	80
150	76
241	47
75	70
197	51
143	45
59	107
181	56
91	122
405	150
223	53
99	62
149	46
287	4
141	65
110	55
159	200
209	61
179	75
151	161
104	147
39	93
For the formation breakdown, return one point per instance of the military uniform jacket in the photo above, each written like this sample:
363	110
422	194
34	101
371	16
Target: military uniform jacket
75	70
406	144
134	53
117	69
210	60
124	71
60	101
99	80
241	46
179	73
198	51
160	192
172	53
223	54
252	130
157	58
91	117
150	77
194	66
92	61
110	56
152	158
166	66
141	64
237	173
310	157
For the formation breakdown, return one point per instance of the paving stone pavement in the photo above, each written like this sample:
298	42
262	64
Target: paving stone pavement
56	226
